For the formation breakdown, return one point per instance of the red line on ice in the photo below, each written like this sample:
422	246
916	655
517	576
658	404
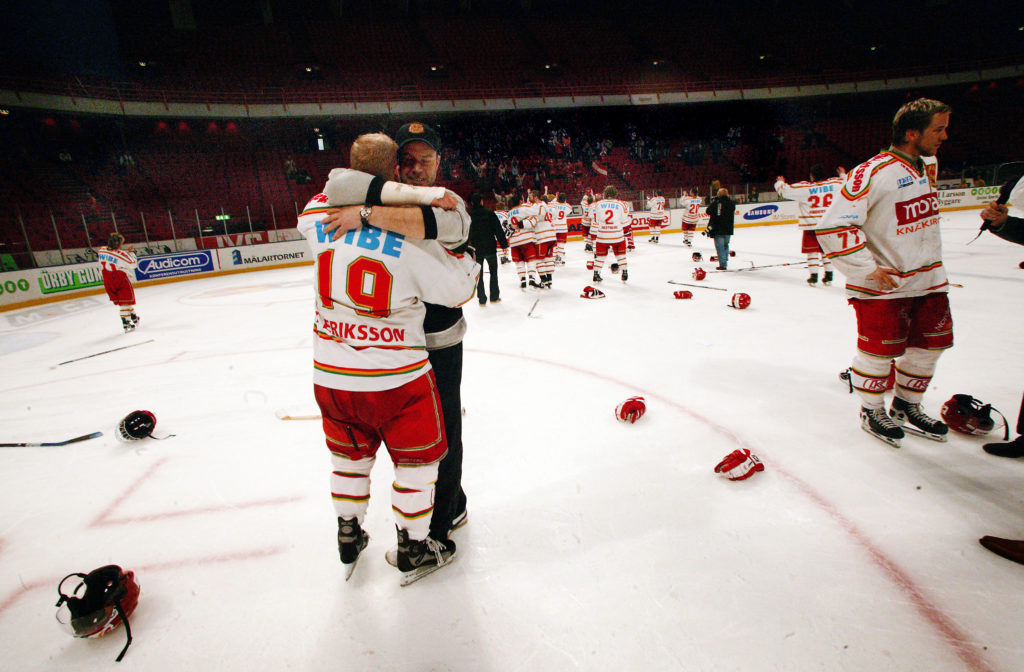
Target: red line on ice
961	643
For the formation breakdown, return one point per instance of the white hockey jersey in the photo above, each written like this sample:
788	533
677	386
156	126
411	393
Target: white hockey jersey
691	210
370	286
886	214
611	217
656	207
544	231
523	220
813	198
560	216
116	260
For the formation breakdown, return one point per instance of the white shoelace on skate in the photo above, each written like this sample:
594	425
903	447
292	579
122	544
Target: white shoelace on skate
436	547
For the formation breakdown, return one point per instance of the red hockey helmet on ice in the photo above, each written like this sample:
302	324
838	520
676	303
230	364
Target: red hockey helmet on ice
967	415
590	264
683	294
591	293
699	273
631	410
102	600
740	301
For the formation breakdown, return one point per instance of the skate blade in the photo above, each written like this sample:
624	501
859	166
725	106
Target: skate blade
350	568
412	576
895	443
941	438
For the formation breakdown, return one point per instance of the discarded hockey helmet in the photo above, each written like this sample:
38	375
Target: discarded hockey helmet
732	253
740	301
136	425
683	294
590	264
631	410
102	600
739	465
713	257
615	267
591	293
968	415
699	273
697	256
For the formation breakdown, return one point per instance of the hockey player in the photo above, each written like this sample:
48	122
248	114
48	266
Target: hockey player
544	238
812	198
656	215
610	220
691	216
560	211
115	265
587	208
372	377
523	220
882	232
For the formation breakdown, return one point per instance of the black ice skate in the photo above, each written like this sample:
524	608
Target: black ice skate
827	280
813	280
535	282
589	247
912	419
351	542
522	284
878	424
625	275
417	559
687	243
135	319
597	276
128	325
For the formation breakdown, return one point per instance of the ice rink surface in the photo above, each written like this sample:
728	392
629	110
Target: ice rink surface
591	544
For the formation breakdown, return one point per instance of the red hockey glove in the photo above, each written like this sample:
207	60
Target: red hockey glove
739	465
631	410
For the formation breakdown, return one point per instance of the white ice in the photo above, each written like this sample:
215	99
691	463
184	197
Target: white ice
591	544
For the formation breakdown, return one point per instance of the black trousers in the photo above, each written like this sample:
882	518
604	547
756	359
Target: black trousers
449	498
492	263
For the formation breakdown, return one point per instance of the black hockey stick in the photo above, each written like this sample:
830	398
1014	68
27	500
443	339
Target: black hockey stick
84	437
758	268
689	284
123	347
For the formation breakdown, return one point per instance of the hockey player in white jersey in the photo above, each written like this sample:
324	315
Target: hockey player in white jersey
611	218
544	238
656	215
115	266
813	199
882	233
372	377
560	211
522	218
691	216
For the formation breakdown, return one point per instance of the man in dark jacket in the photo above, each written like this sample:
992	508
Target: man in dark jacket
998	221
722	211
484	231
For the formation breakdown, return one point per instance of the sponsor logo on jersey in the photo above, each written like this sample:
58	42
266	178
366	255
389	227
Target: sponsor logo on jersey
760	212
904	182
912	211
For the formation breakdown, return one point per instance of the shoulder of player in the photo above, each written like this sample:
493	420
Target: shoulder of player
858	181
316	205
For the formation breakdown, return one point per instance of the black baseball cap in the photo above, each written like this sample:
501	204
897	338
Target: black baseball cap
417	131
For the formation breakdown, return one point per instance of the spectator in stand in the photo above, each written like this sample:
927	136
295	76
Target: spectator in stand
485	233
721	211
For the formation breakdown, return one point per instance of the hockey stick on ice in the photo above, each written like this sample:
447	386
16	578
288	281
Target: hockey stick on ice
532	307
690	284
757	268
84	437
287	414
123	347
